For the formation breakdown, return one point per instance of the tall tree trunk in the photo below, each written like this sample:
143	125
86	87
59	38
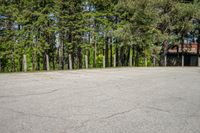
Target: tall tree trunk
80	57
114	62
137	57
165	45
0	66
86	61
70	62
117	55
47	62
53	60
60	51
44	62
182	53
63	54
104	59
130	59
106	53
133	55
165	60
88	58
183	58
38	63
199	61
104	62
95	55
13	60
111	57
33	61
63	58
154	60
122	59
21	63
59	58
73	57
24	63
198	58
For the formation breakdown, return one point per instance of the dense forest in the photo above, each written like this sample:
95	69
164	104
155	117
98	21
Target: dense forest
40	35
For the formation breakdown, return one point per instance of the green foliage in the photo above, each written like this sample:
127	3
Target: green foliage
62	27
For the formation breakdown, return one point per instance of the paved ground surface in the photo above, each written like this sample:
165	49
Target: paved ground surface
125	100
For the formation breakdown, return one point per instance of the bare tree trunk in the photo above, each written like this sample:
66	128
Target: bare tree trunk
133	55
80	57
165	60
182	53
59	58
166	51
44	62
130	59
154	60
53	60
73	57
70	62
13	61
127	56
63	58
63	53
21	64
111	57
38	63
199	61
114	63
24	62
0	66
137	57
122	56
86	61
95	55
104	58
117	56
33	61
198	58
106	53
47	62
104	62
182	60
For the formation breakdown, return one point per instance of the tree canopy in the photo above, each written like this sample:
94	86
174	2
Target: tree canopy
68	34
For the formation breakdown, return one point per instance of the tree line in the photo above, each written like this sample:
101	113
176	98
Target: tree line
74	34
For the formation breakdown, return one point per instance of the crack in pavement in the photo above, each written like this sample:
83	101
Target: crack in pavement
31	114
83	124
117	114
170	112
31	94
157	109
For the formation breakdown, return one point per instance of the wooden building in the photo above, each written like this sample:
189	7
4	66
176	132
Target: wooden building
181	55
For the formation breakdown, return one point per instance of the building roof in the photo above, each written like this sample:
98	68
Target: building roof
187	48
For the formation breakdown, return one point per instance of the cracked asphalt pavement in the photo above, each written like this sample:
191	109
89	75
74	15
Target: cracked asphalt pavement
121	100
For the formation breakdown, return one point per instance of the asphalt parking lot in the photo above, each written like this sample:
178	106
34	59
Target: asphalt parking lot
122	100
